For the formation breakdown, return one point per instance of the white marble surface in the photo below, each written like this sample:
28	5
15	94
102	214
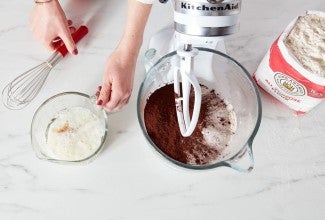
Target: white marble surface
128	181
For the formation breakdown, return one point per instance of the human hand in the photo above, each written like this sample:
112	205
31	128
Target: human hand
117	81
49	25
119	70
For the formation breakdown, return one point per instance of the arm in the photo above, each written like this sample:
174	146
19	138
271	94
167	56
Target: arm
119	71
48	23
137	17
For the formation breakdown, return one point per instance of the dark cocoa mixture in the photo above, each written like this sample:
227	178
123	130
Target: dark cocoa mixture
211	135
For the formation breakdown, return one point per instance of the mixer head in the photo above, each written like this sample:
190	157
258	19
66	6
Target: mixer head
206	17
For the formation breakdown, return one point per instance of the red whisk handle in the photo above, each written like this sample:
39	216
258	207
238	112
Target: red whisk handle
76	36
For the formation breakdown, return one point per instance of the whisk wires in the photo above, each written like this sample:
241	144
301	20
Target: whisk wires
23	89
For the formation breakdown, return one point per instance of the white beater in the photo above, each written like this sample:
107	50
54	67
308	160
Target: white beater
185	72
22	90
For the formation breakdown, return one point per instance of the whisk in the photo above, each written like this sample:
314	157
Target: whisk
23	89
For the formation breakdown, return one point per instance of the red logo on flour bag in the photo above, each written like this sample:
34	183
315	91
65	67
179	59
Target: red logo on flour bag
295	81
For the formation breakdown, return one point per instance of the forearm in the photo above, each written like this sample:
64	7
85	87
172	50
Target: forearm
137	16
119	71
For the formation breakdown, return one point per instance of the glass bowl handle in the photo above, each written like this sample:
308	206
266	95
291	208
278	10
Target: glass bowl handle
244	161
93	101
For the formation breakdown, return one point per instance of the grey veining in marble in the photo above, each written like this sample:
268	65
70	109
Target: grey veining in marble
128	180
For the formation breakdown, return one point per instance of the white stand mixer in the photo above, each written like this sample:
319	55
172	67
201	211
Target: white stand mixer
197	23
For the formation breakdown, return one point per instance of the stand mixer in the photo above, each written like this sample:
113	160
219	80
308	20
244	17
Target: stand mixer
197	24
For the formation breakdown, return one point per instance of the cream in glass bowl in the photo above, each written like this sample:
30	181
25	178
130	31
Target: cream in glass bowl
69	128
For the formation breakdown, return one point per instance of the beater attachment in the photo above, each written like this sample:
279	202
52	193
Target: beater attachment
184	79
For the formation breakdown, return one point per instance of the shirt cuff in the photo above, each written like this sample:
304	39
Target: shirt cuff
146	1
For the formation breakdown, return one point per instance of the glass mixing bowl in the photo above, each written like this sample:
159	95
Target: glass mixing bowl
232	82
45	114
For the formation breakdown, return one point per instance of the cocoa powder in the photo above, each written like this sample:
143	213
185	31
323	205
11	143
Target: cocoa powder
211	135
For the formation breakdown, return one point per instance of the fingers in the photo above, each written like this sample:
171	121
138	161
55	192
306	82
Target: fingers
125	101
98	92
53	42
119	98
57	42
72	29
57	39
70	22
104	94
68	41
111	101
52	46
119	105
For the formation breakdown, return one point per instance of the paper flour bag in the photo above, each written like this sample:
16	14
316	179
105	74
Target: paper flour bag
293	70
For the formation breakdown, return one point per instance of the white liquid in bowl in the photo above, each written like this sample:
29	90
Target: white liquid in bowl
75	134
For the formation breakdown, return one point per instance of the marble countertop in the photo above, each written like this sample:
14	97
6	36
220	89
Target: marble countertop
128	181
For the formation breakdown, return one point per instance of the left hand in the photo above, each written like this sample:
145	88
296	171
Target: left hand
117	81
119	70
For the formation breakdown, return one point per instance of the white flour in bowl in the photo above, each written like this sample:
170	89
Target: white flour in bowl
306	41
75	134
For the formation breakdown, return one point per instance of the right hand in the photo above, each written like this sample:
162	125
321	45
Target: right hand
49	25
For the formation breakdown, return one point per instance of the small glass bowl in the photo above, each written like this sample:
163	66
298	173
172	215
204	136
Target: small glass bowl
46	113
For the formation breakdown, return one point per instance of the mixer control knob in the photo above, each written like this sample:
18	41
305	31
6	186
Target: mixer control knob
163	1
215	1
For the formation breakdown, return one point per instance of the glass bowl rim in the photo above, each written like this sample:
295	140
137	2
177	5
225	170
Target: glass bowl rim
92	156
248	143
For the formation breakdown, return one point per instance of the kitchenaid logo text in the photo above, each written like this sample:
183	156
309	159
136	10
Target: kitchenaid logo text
221	7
